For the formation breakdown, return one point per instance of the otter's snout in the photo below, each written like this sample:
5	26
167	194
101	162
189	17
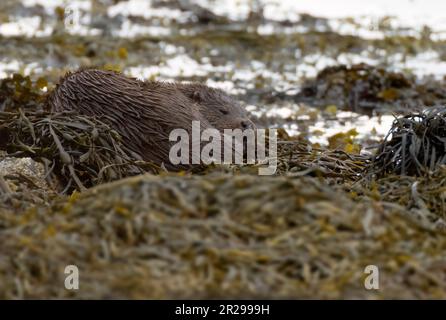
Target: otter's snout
247	124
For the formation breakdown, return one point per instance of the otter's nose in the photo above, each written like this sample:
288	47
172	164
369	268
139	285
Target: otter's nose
247	124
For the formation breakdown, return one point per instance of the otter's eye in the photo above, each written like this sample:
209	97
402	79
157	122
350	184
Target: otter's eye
223	111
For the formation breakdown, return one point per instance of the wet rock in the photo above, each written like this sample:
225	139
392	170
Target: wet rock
23	172
22	187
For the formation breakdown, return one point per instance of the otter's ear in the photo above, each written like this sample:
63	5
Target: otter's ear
197	96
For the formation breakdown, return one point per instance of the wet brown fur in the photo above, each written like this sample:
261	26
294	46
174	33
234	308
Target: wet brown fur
145	112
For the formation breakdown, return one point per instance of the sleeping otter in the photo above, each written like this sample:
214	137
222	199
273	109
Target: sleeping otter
145	112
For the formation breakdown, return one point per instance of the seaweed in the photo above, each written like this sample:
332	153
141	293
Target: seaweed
301	158
366	89
20	91
218	236
415	145
78	151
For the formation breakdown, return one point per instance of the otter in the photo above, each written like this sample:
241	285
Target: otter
145	112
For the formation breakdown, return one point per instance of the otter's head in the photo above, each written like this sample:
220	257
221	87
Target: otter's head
221	110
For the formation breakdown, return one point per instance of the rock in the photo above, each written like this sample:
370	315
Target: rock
23	171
